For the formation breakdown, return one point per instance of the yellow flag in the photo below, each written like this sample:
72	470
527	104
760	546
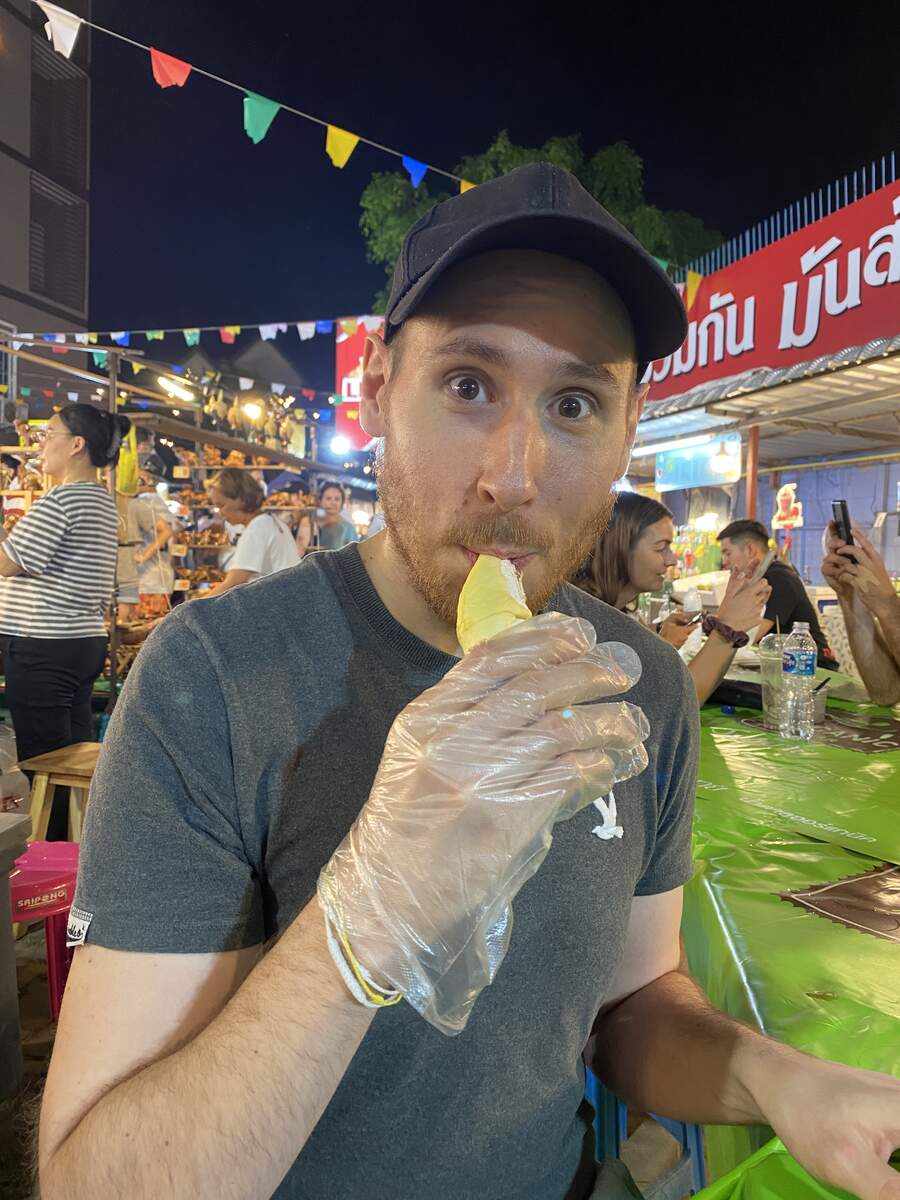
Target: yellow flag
137	367
694	280
349	326
339	145
465	186
127	474
92	338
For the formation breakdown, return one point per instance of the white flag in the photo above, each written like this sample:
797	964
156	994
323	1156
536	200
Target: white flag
73	396
267	332
81	339
62	27
245	383
278	389
307	330
373	323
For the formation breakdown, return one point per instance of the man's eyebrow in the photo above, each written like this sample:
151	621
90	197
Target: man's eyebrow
573	369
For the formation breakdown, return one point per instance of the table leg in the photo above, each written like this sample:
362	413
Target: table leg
77	799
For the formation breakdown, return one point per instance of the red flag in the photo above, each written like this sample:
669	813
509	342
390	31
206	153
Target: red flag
309	393
60	349
227	335
49	393
168	70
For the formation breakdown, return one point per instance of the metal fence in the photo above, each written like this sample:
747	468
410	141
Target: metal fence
841	192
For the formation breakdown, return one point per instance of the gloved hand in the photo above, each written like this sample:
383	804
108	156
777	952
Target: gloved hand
475	773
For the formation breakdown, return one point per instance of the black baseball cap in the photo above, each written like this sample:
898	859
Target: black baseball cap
540	207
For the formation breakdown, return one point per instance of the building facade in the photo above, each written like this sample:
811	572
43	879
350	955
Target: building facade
44	177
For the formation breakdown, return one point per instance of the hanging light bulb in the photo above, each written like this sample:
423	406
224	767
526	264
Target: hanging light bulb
721	461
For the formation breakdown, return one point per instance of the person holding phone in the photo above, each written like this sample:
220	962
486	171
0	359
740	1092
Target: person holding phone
870	605
633	555
744	546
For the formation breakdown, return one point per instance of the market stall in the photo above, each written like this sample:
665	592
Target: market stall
792	920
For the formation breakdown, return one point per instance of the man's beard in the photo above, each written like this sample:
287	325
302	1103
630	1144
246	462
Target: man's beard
409	521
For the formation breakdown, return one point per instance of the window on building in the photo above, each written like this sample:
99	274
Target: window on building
59	118
57	244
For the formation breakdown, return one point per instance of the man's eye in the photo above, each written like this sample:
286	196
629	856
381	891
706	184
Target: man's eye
468	388
574	407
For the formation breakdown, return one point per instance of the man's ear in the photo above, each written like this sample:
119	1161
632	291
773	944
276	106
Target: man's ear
377	363
636	402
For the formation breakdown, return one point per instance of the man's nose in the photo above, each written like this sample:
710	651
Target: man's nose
512	460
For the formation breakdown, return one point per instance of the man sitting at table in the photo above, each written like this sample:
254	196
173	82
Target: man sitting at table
871	609
744	546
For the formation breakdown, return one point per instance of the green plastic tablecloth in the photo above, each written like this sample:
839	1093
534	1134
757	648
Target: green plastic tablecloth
836	795
808	981
771	1174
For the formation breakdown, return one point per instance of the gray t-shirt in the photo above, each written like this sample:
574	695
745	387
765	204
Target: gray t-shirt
246	741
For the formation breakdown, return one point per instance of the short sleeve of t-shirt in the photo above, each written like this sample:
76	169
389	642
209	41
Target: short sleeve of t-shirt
163	867
253	547
671	864
37	536
783	601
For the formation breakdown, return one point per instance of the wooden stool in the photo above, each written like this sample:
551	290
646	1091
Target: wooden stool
72	767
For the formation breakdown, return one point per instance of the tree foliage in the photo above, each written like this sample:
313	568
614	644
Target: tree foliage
614	175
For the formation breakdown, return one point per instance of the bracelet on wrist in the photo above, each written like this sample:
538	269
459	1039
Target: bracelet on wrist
735	638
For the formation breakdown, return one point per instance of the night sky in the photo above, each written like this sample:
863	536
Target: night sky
736	110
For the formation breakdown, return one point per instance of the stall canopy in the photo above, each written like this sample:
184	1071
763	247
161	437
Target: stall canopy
836	405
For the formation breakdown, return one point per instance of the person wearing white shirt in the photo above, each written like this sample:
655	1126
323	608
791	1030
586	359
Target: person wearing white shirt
266	544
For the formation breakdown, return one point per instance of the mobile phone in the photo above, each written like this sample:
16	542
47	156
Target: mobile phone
841	514
763	566
694	620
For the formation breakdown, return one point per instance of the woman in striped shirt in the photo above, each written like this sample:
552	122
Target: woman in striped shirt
57	571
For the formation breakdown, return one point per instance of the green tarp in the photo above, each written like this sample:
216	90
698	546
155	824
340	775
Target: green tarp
771	1174
816	984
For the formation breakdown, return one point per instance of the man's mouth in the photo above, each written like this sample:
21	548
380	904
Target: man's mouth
519	557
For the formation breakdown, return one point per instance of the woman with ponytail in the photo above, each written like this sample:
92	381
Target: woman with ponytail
57	571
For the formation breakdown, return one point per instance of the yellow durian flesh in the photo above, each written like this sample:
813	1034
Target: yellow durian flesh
492	599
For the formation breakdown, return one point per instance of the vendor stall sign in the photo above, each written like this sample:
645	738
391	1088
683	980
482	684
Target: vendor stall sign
348	353
715	463
830	285
788	509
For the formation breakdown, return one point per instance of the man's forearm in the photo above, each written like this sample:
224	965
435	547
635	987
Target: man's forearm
666	1050
227	1114
875	657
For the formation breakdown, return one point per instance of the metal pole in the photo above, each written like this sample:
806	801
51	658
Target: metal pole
752	472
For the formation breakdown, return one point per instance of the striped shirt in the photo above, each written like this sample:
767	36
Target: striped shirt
66	546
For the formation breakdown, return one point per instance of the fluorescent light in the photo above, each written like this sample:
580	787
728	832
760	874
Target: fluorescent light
340	444
253	411
174	388
701	439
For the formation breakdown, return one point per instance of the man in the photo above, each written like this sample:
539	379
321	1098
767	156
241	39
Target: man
507	400
871	609
744	546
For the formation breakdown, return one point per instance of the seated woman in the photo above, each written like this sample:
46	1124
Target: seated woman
633	556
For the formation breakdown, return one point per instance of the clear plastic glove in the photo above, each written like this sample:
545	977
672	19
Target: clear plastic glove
475	773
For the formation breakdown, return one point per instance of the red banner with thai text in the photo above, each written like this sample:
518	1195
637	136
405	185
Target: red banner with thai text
828	286
348	355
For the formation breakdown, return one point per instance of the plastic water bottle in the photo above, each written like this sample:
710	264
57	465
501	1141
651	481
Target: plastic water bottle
799	678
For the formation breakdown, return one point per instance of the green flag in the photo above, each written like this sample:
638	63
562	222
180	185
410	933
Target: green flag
259	113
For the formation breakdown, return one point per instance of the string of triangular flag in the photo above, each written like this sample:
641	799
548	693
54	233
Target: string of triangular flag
62	29
306	330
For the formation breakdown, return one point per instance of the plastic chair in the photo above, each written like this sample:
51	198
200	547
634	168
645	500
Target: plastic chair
611	1130
42	887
